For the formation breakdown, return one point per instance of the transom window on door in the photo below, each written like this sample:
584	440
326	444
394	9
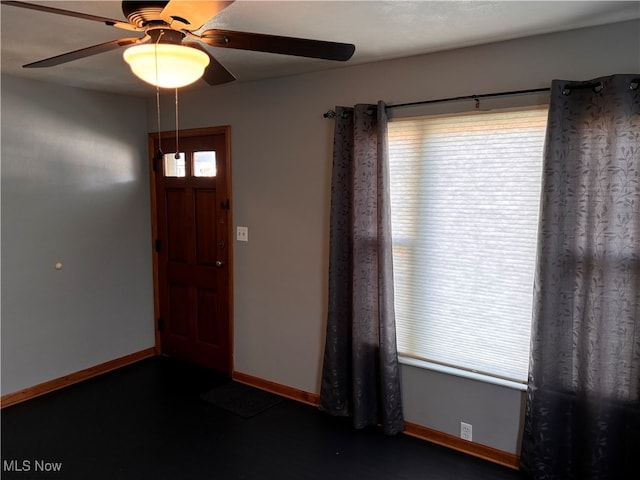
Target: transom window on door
465	193
174	165
204	164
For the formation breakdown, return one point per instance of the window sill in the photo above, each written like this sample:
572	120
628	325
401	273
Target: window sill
413	362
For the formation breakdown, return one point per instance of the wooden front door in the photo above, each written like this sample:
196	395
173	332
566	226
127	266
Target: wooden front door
192	228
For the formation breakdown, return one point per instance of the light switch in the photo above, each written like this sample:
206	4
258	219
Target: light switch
242	234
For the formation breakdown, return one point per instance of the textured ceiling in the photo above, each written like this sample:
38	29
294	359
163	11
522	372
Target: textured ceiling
380	30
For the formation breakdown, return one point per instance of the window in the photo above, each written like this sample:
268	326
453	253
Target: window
174	166
204	164
465	195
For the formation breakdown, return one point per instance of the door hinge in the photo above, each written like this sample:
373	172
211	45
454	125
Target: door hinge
160	324
156	160
225	205
158	245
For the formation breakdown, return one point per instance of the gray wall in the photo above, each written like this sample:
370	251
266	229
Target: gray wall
75	191
281	161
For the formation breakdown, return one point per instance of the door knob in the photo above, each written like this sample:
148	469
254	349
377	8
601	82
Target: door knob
219	263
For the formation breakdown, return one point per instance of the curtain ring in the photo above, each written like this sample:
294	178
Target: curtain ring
635	83
329	114
598	87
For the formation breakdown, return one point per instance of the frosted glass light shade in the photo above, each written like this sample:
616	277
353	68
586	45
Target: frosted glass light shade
178	65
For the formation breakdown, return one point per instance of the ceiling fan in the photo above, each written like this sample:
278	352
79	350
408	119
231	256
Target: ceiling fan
175	22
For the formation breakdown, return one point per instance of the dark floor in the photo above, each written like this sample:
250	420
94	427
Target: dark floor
147	421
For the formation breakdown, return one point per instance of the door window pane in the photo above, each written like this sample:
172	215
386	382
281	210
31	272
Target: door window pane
174	167
204	164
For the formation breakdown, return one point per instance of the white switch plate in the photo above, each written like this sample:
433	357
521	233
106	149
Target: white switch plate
242	234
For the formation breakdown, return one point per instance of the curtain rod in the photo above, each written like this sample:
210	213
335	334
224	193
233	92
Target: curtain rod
596	86
566	90
331	113
470	97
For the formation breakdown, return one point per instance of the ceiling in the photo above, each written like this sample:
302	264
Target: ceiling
380	30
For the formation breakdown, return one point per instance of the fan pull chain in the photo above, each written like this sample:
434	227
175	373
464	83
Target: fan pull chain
177	148
159	153
157	158
158	117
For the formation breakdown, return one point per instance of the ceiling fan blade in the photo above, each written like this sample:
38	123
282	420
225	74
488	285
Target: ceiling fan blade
191	15
215	73
58	11
86	52
300	47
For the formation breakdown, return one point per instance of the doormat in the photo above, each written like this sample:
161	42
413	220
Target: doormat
241	399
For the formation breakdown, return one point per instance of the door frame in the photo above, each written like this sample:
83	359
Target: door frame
194	132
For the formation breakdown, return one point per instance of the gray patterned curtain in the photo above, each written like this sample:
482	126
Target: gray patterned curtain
360	376
583	399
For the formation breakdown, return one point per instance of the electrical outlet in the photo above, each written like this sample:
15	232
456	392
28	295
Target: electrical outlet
242	234
465	431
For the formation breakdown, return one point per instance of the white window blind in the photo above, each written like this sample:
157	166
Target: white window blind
465	195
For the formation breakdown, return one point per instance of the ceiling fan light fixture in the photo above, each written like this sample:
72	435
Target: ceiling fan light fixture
177	65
